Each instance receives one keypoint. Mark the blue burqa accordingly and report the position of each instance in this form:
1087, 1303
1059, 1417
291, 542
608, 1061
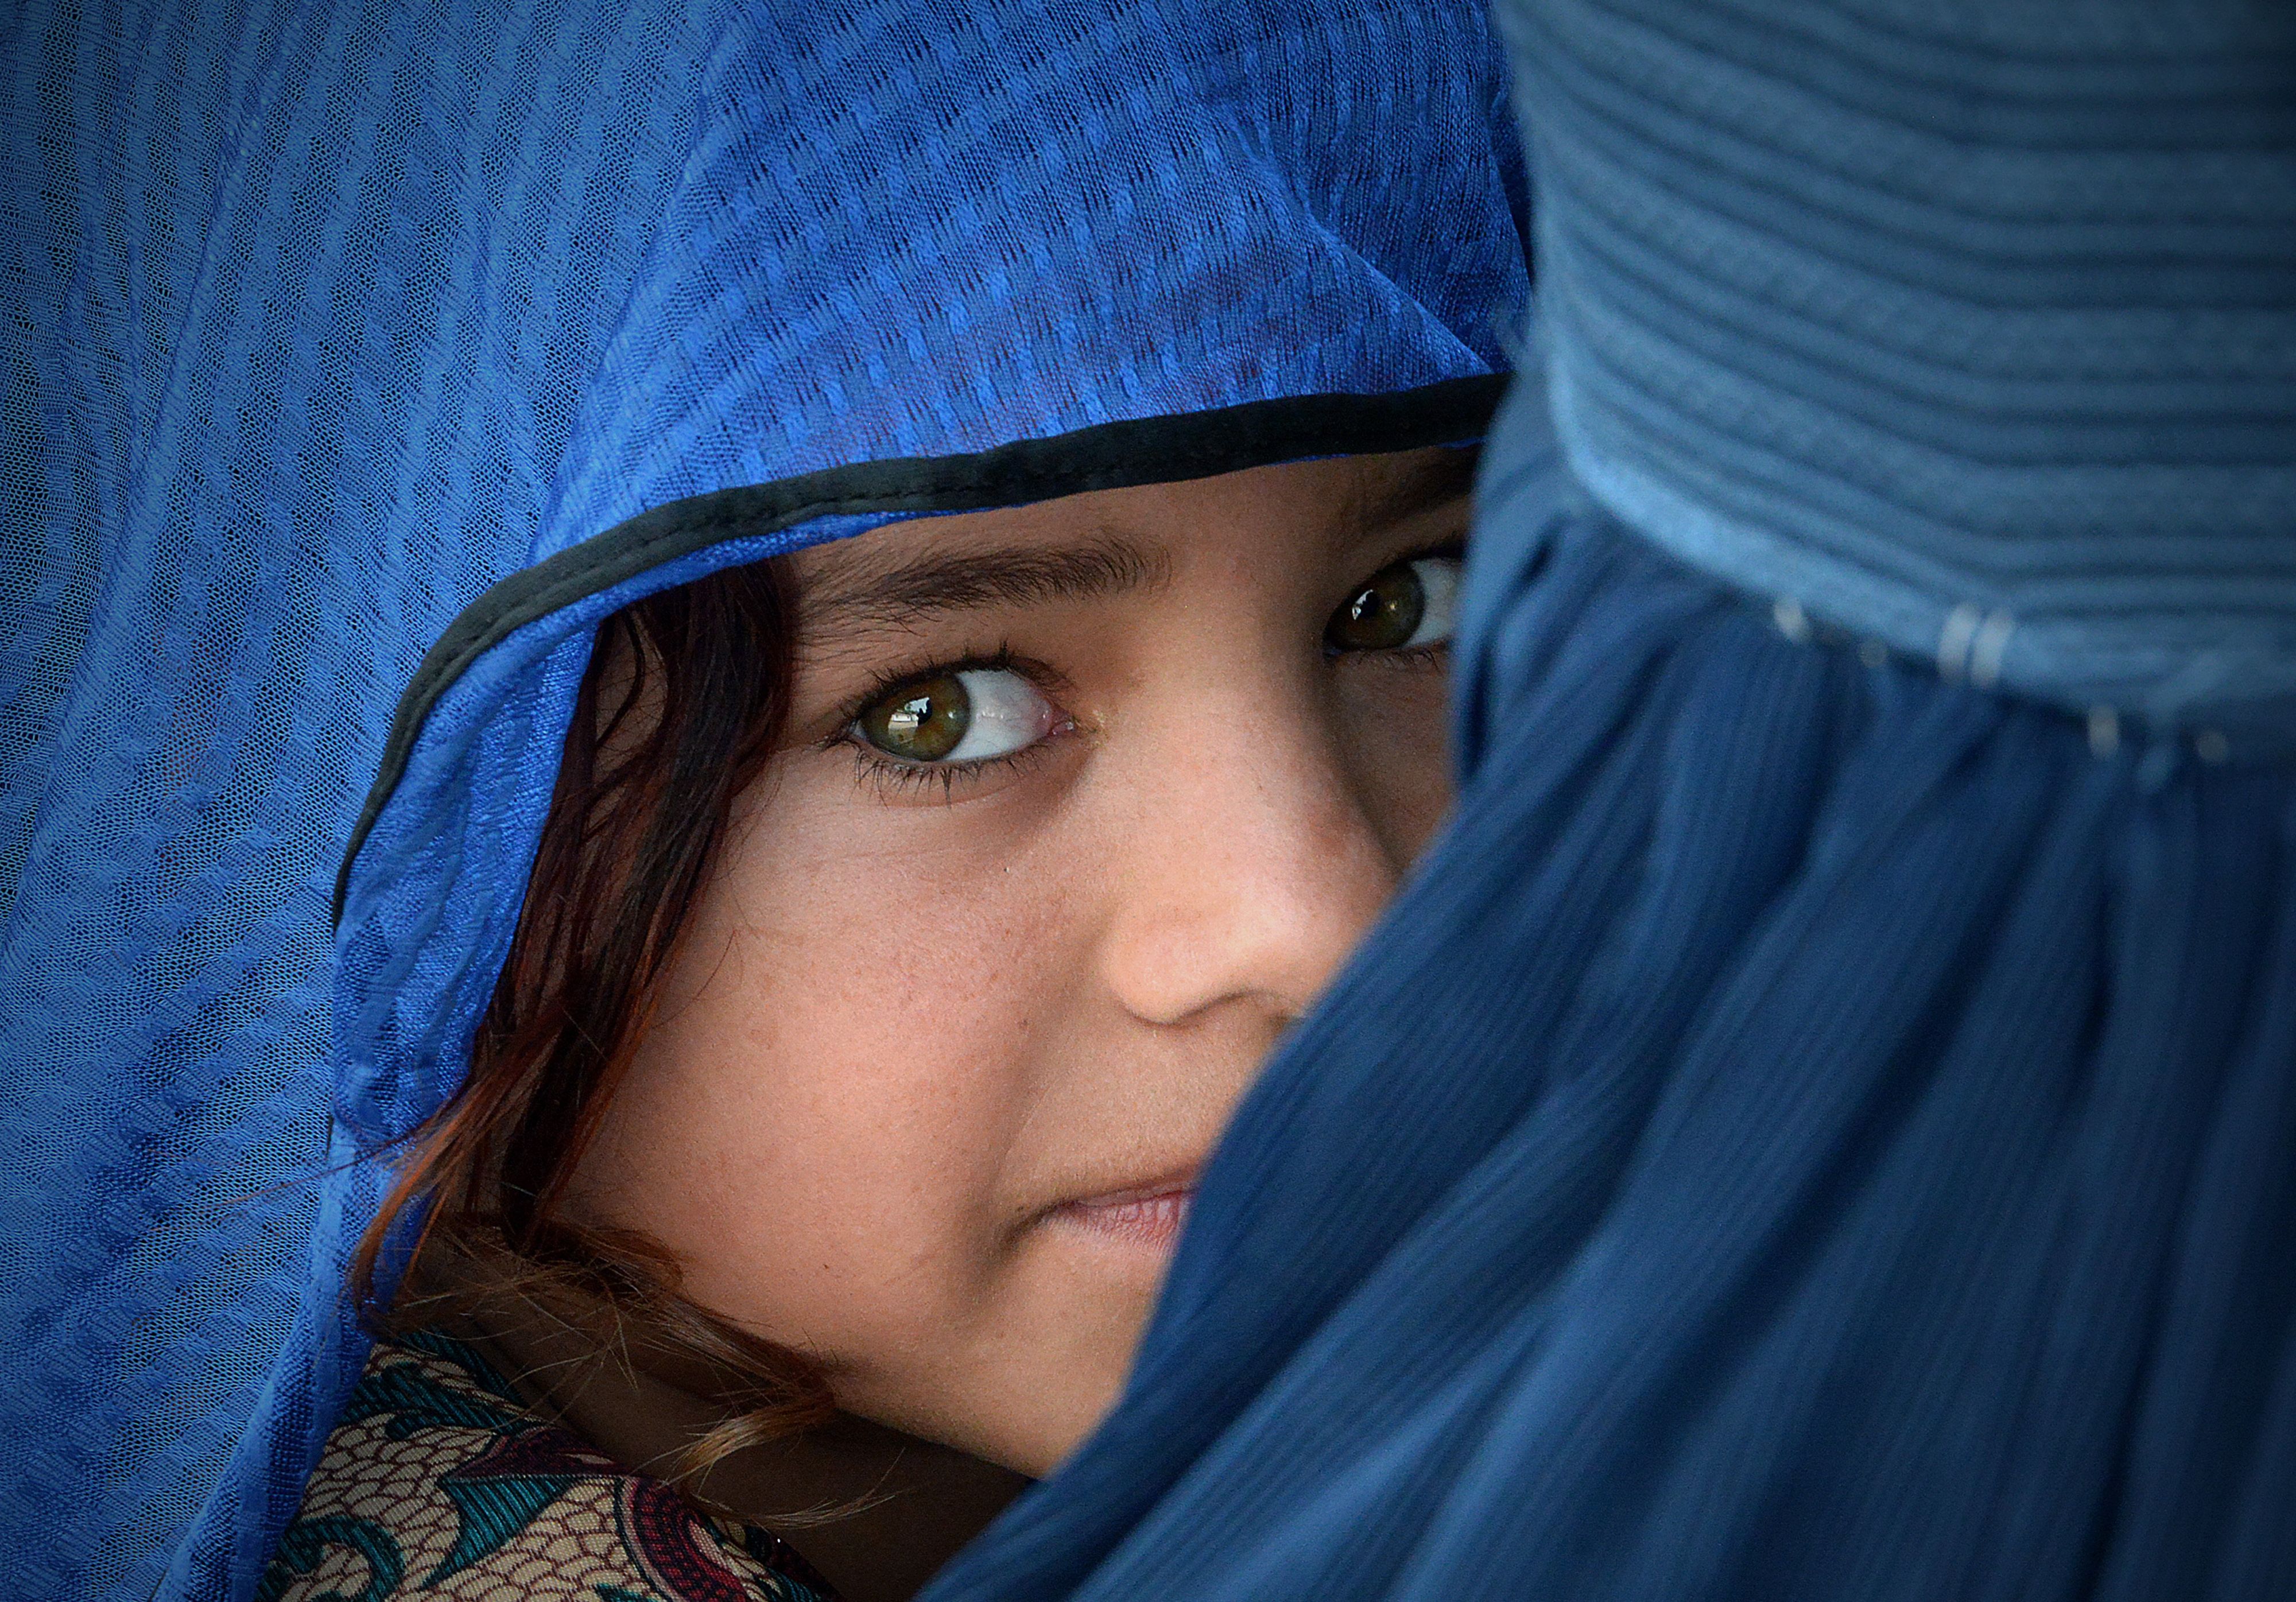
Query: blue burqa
360, 357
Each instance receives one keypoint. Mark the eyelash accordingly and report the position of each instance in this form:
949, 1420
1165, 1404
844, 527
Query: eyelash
1402, 657
889, 777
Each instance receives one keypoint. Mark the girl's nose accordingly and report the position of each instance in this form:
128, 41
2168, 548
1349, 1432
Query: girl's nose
1250, 870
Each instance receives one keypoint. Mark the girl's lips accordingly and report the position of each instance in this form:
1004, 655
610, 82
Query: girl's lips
1150, 1216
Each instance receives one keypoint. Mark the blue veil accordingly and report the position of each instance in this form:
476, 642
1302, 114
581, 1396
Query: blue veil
362, 357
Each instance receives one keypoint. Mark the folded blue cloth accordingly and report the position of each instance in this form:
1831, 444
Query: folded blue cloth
1972, 330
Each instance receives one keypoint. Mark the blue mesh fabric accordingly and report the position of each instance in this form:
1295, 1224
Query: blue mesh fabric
323, 320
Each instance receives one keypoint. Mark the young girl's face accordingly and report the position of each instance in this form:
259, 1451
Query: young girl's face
1080, 805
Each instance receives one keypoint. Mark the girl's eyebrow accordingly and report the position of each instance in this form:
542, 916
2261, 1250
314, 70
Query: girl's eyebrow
864, 592
1435, 481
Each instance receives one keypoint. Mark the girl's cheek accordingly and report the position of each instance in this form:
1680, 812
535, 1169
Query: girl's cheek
1392, 727
858, 1049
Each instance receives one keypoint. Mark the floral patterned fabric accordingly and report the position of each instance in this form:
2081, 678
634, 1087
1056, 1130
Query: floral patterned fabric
440, 1483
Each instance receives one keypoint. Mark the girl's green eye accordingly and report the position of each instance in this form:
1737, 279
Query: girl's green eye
1413, 603
968, 716
920, 722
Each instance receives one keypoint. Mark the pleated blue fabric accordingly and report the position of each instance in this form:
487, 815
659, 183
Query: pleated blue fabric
1974, 330
1822, 1124
362, 355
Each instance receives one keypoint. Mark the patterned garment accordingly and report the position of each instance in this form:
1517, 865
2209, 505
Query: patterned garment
438, 1482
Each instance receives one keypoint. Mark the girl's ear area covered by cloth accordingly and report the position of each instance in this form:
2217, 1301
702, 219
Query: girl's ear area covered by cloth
328, 320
